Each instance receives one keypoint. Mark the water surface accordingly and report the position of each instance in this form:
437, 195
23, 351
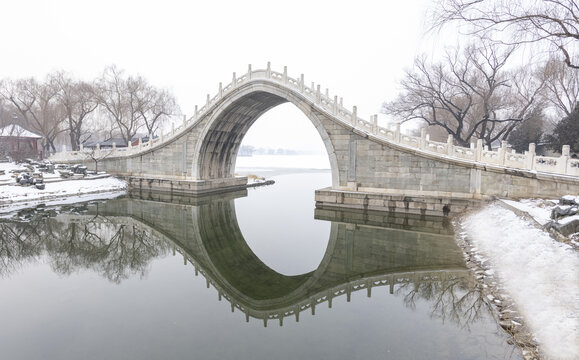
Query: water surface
259, 274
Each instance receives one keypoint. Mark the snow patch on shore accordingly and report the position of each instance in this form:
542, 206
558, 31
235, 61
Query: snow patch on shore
14, 197
65, 188
540, 274
539, 209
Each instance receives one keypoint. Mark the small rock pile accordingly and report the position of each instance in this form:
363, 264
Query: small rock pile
565, 216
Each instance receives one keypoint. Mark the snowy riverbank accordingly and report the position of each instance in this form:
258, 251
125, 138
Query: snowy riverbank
528, 267
14, 197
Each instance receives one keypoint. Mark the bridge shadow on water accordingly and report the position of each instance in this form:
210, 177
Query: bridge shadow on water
413, 257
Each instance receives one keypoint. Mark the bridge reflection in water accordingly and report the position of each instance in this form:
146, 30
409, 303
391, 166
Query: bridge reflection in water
413, 257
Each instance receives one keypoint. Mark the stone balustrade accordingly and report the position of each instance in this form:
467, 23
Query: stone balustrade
333, 106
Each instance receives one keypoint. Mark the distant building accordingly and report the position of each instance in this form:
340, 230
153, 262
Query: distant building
19, 143
106, 144
144, 139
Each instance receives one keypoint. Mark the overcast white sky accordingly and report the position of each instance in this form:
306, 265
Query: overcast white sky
358, 49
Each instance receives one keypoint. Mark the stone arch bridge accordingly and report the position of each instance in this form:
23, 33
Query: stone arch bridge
372, 167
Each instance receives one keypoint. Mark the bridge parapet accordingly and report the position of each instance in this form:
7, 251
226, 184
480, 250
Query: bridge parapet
333, 107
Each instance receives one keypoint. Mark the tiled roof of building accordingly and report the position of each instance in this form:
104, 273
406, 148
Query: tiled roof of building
17, 131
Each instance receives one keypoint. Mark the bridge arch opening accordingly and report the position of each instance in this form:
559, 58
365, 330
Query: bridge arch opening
283, 137
284, 236
221, 137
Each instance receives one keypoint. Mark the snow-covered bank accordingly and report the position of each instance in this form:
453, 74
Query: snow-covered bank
13, 196
7, 210
539, 209
537, 272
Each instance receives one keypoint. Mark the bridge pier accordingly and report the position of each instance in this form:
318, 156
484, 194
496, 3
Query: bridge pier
185, 187
394, 203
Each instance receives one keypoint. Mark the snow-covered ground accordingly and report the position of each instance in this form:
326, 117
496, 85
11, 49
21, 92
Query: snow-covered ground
14, 197
538, 273
539, 209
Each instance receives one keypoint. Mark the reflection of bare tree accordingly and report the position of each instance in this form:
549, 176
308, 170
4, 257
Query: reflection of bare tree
114, 250
18, 244
459, 300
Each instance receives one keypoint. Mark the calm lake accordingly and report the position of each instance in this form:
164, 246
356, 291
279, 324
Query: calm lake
256, 274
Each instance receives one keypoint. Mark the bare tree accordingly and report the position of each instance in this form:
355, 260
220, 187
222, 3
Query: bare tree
96, 155
157, 106
5, 113
561, 87
117, 96
36, 103
79, 101
132, 103
470, 94
551, 22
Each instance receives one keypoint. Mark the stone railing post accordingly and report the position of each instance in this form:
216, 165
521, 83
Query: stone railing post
335, 107
302, 85
530, 157
397, 133
196, 112
249, 72
450, 145
129, 144
422, 142
562, 163
318, 95
208, 101
268, 70
98, 149
172, 127
502, 153
220, 90
114, 146
478, 150
81, 147
285, 74
234, 79
375, 124
140, 142
354, 116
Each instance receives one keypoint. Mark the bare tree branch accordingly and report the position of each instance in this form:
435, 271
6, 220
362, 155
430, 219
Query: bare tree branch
469, 94
553, 24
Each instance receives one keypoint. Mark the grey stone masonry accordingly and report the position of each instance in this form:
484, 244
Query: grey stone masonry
365, 159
